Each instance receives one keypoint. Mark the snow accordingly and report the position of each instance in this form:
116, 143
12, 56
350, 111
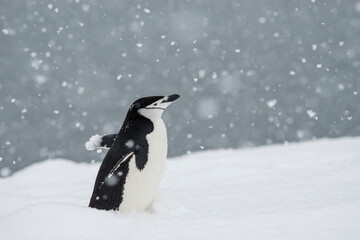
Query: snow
93, 142
306, 190
271, 103
311, 113
5, 31
64, 58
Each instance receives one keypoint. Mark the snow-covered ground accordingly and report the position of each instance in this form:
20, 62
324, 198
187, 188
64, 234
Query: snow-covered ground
299, 191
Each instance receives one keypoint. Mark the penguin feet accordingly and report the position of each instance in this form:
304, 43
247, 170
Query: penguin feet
150, 209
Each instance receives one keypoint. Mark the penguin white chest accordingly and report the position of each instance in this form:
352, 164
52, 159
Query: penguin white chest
141, 185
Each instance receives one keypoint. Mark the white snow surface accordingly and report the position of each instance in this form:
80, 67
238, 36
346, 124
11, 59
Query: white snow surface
306, 190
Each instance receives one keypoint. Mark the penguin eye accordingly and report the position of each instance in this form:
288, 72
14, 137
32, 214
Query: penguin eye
155, 104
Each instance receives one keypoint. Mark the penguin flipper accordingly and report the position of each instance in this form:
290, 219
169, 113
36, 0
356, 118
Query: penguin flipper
105, 194
100, 141
116, 167
107, 141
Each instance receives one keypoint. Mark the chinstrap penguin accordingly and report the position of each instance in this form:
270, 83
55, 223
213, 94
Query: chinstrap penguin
131, 171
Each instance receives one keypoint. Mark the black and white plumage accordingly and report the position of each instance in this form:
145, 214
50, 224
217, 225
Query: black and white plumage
131, 171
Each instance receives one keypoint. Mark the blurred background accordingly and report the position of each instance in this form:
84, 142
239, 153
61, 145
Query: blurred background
249, 72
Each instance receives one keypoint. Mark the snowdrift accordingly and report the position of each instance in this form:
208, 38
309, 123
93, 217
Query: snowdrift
298, 191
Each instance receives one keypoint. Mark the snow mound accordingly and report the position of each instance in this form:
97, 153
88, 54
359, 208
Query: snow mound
297, 191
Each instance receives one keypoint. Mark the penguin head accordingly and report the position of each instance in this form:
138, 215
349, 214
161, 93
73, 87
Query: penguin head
152, 107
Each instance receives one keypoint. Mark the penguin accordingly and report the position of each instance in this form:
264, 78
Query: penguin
130, 173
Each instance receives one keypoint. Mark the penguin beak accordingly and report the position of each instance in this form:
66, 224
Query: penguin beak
170, 98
